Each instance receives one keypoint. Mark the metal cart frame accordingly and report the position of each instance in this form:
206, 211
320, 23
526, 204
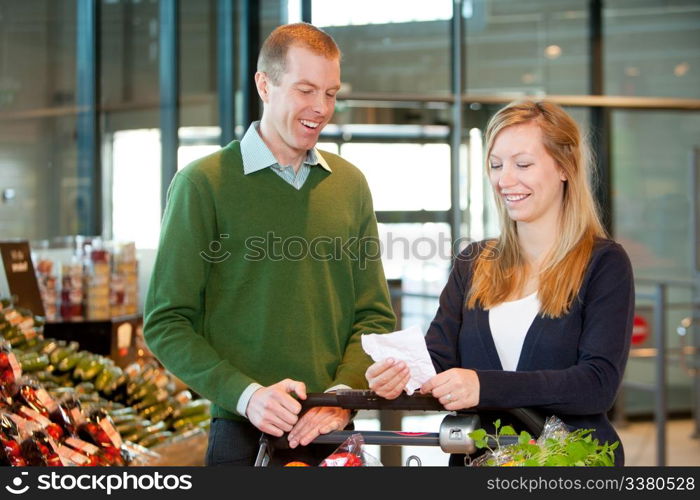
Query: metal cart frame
453, 436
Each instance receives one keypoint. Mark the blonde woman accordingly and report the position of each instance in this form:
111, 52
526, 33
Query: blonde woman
541, 316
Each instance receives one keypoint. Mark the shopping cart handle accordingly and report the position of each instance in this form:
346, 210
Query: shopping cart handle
531, 420
350, 399
368, 400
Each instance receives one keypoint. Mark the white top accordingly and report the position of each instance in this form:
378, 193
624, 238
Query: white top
509, 323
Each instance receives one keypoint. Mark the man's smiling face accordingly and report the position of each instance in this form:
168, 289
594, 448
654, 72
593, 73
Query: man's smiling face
300, 104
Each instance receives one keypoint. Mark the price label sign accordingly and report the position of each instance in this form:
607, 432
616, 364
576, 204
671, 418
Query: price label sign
21, 280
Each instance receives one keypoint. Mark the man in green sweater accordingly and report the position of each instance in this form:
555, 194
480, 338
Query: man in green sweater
268, 268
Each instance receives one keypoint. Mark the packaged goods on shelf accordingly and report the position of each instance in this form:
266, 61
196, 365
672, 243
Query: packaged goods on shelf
98, 272
98, 280
124, 285
48, 287
72, 291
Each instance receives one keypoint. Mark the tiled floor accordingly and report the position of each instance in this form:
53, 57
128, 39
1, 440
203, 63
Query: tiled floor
639, 440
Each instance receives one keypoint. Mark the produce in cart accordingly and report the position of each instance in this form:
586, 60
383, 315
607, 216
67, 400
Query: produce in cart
556, 446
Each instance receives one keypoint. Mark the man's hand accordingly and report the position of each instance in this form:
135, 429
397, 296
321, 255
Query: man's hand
316, 421
456, 388
388, 378
271, 409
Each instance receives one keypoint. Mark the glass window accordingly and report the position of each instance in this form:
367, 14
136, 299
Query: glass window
129, 52
362, 12
197, 48
39, 182
538, 46
404, 176
272, 14
136, 187
653, 201
188, 154
392, 45
653, 195
421, 256
135, 175
198, 64
652, 48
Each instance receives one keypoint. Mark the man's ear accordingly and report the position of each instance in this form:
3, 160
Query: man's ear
262, 83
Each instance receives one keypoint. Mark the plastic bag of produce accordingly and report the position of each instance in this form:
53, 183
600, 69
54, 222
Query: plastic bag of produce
350, 453
556, 446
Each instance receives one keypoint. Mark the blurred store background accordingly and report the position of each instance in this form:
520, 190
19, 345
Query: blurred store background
101, 102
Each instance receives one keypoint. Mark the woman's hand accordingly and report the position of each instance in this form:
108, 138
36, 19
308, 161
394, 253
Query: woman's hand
456, 388
388, 378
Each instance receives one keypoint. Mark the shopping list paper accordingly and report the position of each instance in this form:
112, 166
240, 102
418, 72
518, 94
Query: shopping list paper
406, 345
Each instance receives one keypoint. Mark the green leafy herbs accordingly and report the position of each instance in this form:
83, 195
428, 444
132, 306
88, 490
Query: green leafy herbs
556, 447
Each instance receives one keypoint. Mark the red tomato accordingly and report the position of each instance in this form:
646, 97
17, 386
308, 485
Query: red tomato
8, 376
54, 431
12, 448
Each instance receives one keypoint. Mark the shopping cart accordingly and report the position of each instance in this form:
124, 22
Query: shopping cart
452, 437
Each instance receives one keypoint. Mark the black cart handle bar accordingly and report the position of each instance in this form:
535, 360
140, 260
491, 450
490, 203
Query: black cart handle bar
368, 400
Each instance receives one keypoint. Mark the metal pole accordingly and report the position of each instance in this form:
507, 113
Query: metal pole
89, 167
306, 11
249, 46
127, 73
383, 438
600, 116
456, 130
660, 407
695, 211
226, 70
391, 420
695, 292
169, 90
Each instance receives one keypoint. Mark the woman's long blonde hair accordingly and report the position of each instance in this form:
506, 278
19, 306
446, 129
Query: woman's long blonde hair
500, 270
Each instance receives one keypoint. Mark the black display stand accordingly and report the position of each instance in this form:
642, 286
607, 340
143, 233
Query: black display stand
21, 279
101, 336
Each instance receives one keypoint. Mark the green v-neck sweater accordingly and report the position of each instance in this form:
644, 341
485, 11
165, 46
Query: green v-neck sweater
256, 281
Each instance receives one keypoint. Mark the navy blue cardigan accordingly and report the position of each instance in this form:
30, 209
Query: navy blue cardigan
570, 366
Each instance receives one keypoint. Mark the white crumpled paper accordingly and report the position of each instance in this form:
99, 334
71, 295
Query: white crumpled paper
406, 345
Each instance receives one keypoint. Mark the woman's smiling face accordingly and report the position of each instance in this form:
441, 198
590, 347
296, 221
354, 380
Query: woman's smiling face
524, 176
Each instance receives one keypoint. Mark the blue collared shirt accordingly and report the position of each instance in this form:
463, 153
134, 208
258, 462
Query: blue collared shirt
257, 156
